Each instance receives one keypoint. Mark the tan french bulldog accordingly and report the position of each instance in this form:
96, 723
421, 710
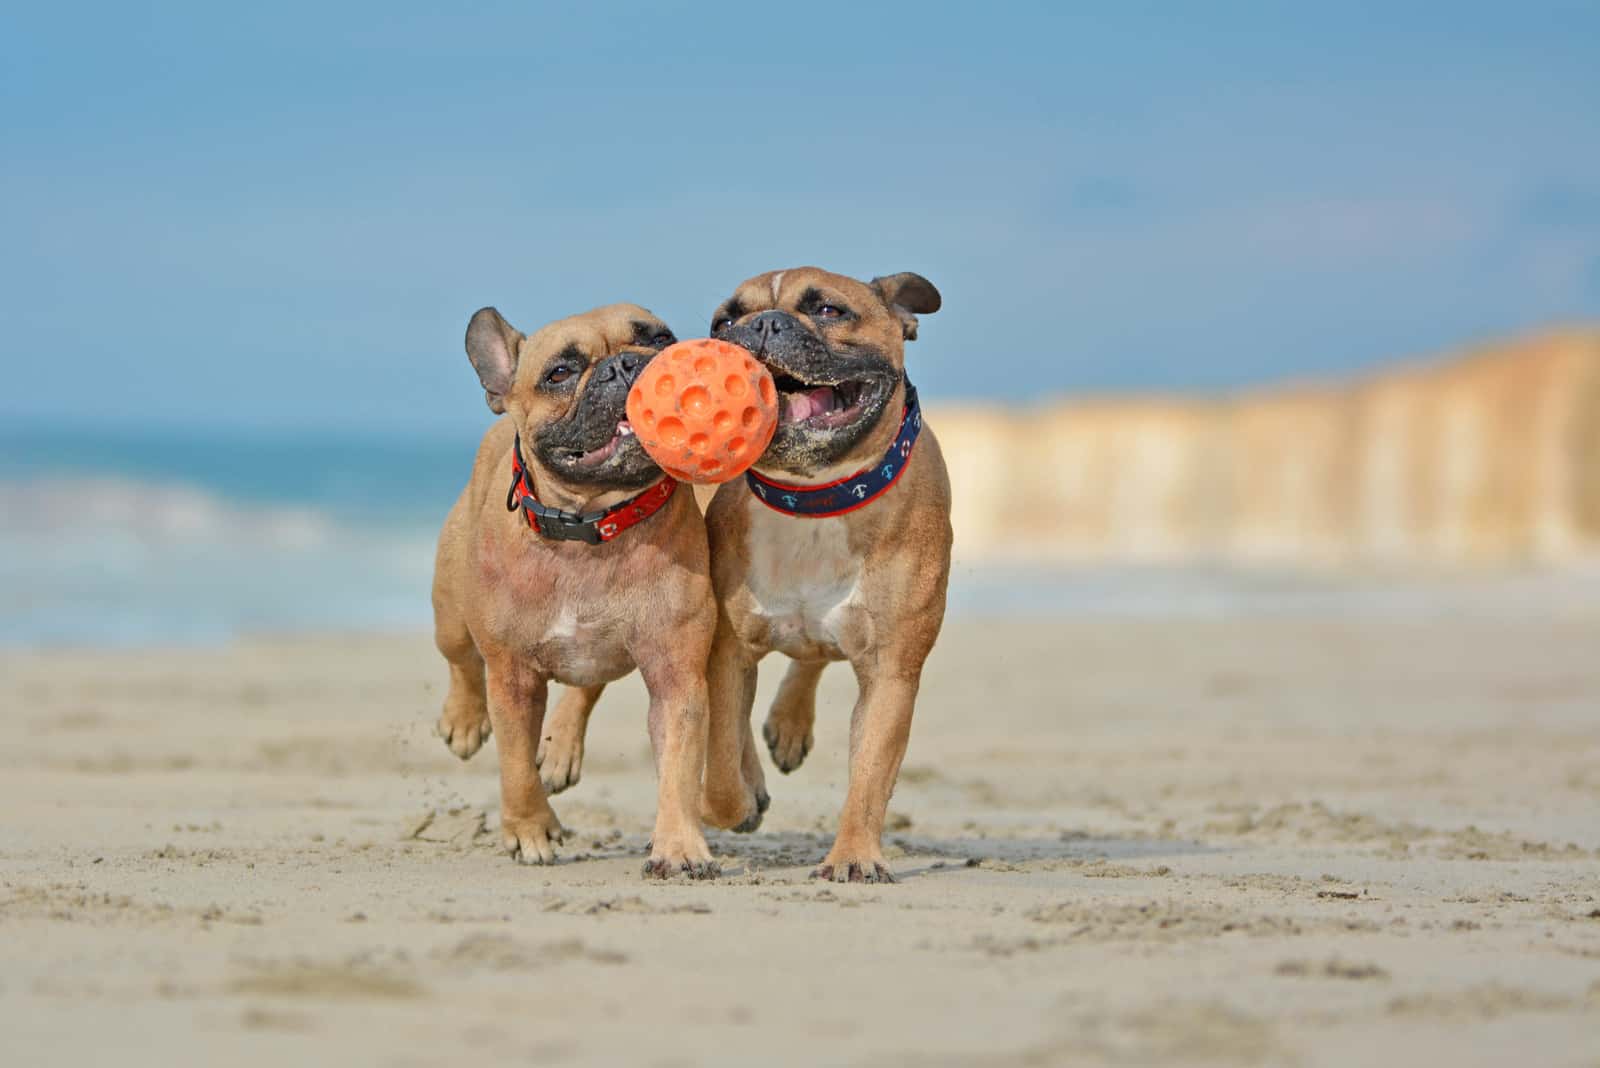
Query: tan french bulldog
836, 547
571, 557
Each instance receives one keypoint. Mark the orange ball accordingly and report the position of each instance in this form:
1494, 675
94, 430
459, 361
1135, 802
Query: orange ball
704, 410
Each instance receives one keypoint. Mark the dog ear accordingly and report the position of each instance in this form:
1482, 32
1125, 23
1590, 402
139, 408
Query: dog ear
908, 295
492, 347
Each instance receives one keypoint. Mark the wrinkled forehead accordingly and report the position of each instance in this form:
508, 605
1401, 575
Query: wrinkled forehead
777, 289
602, 332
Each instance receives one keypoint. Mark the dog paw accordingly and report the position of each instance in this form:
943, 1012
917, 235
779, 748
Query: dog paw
559, 760
751, 822
532, 839
691, 857
741, 814
787, 742
837, 868
463, 731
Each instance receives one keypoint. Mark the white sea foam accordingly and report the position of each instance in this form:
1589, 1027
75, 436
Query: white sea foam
96, 560
153, 513
119, 561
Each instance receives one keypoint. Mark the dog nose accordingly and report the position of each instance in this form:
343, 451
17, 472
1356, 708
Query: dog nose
624, 365
769, 324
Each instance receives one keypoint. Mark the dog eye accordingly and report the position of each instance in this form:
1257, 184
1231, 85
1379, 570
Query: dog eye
558, 374
721, 324
661, 339
829, 311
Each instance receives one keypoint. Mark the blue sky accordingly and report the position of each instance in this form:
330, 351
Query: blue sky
281, 216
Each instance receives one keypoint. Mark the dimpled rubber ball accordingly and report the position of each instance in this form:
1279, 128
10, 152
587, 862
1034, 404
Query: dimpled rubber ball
704, 410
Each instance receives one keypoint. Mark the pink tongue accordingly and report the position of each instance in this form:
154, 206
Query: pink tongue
798, 407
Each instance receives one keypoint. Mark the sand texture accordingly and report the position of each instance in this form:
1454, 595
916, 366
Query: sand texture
1268, 841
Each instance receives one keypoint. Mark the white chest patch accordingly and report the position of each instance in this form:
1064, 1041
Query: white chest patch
565, 625
804, 582
582, 653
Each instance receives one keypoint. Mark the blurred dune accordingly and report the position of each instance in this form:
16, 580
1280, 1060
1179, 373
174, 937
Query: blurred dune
1488, 458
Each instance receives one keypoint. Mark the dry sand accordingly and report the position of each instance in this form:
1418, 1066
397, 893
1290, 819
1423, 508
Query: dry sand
1275, 840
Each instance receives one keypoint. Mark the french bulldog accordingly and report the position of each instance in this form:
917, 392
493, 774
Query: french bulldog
835, 547
570, 557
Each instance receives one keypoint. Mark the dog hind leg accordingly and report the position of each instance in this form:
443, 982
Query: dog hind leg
788, 729
560, 756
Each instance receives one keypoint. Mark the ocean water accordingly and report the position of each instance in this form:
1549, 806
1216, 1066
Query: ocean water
185, 537
196, 538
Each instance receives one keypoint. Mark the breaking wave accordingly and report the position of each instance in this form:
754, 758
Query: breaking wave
126, 561
97, 560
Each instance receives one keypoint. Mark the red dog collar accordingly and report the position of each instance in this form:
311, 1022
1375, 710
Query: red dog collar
592, 527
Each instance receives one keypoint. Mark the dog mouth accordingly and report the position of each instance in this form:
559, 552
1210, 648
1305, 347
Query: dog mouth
588, 459
821, 405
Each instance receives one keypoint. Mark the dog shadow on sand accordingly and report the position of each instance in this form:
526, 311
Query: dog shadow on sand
914, 856
594, 835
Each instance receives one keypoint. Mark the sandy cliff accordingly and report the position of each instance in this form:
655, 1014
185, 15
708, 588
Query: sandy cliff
1489, 458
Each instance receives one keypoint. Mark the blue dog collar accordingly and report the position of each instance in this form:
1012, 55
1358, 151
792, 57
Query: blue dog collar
853, 491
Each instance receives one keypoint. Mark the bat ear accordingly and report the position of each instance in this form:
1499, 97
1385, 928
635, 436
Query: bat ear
908, 295
492, 348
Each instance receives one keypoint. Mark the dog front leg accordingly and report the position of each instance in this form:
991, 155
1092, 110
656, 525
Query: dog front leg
678, 715
735, 789
880, 727
517, 696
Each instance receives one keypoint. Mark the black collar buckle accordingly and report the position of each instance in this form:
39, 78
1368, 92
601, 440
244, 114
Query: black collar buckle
553, 523
565, 526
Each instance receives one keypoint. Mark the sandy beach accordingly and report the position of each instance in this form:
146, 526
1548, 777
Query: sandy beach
1270, 840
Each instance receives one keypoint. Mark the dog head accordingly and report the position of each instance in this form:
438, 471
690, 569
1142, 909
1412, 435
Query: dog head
566, 387
836, 350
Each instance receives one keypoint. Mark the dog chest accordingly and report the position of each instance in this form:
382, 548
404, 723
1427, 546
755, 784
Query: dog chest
572, 646
581, 650
804, 584
582, 653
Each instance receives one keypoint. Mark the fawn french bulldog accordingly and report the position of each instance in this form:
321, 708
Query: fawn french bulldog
590, 565
836, 546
